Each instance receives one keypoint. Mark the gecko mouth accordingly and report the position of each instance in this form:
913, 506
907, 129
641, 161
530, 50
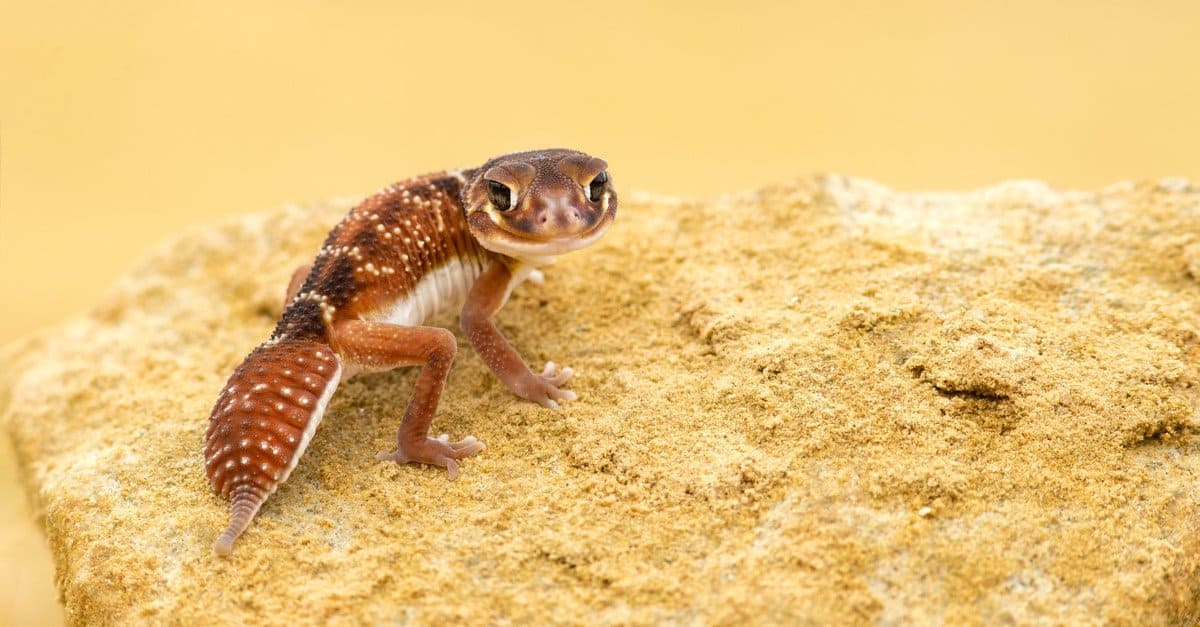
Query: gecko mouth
519, 244
561, 239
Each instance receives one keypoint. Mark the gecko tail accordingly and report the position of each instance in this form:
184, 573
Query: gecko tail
242, 508
263, 420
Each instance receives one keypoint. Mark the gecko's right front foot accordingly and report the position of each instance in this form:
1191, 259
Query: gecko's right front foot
438, 451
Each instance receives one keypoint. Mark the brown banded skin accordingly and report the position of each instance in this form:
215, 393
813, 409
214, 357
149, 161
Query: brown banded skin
418, 247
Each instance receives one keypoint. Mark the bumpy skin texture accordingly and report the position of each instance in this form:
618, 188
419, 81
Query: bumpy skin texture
413, 249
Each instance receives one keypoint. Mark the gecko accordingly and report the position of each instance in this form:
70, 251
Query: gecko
433, 243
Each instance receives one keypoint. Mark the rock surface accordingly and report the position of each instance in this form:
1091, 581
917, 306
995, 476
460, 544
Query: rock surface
823, 401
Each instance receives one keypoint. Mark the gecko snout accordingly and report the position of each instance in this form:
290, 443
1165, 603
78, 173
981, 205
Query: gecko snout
562, 219
560, 216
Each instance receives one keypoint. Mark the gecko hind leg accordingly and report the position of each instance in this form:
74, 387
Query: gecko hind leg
377, 346
299, 276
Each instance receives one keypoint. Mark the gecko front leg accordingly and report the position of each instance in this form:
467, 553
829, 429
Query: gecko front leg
488, 294
377, 346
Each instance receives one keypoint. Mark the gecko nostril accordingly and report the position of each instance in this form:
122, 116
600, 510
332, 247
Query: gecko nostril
576, 214
545, 218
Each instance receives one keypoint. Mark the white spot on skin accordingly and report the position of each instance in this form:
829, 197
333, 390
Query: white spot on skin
279, 406
245, 442
260, 387
245, 460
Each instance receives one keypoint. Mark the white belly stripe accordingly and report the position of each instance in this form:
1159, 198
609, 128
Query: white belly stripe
439, 291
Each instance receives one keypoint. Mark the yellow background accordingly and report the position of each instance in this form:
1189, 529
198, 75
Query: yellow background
123, 121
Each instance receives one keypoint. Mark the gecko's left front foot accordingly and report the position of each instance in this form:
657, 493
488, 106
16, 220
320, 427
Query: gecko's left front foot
546, 388
438, 451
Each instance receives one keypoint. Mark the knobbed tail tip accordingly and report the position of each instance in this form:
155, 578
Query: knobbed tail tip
245, 505
224, 544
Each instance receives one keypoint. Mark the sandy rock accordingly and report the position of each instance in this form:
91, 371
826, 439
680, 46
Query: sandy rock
823, 401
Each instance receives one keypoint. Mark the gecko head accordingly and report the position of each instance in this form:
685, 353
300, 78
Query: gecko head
535, 205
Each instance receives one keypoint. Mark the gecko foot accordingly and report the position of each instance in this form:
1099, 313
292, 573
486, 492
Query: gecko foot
546, 389
438, 451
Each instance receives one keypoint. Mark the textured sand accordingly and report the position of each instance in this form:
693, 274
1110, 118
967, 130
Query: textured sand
823, 402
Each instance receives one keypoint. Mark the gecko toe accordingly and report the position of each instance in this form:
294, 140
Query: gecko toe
451, 469
467, 447
554, 376
567, 395
563, 376
390, 456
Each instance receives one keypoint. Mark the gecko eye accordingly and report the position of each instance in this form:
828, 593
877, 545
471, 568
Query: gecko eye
502, 196
596, 187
